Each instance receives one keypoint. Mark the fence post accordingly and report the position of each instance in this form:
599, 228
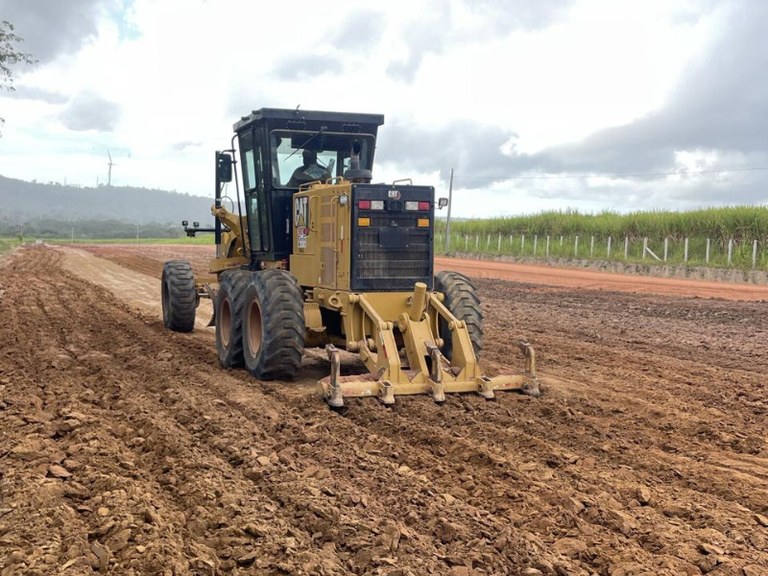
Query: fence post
666, 248
466, 242
522, 244
535, 243
645, 247
754, 254
730, 251
685, 254
561, 240
488, 242
706, 258
626, 247
511, 243
608, 255
547, 252
498, 249
477, 242
576, 246
591, 246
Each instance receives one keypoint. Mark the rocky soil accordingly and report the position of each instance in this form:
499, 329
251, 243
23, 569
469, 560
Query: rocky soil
125, 449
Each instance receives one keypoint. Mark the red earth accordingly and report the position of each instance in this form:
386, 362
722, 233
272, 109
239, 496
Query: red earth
126, 449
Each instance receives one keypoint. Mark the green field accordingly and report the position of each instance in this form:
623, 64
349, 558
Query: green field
7, 243
735, 236
737, 222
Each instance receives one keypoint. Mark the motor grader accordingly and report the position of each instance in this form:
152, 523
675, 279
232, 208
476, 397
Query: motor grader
311, 253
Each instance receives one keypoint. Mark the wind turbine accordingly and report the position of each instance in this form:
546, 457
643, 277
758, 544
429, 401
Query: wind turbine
110, 164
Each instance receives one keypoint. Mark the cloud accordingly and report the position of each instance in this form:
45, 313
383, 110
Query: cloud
52, 27
306, 67
358, 32
464, 145
89, 111
443, 23
428, 35
38, 94
720, 104
183, 146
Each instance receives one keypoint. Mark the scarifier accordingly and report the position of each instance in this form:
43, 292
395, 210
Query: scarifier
315, 255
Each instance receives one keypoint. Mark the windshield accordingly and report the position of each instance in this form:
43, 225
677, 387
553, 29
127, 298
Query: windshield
299, 157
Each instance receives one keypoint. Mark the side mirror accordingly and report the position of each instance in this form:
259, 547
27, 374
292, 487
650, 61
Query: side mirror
442, 203
223, 167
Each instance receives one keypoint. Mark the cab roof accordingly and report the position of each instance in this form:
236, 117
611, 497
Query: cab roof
283, 117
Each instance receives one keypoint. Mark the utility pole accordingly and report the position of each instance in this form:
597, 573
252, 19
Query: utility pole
448, 219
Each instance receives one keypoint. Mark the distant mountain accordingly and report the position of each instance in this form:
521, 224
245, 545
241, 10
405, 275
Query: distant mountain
22, 201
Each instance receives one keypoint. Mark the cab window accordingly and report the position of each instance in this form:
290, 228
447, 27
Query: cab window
303, 156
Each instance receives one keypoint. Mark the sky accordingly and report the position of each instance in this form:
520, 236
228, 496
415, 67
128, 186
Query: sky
589, 105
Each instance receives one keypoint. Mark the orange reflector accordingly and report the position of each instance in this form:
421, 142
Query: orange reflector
423, 222
363, 221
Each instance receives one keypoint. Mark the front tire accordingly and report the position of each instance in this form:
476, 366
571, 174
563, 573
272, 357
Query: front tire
273, 325
179, 296
461, 299
229, 317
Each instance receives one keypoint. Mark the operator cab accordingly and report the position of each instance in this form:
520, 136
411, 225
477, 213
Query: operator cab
274, 146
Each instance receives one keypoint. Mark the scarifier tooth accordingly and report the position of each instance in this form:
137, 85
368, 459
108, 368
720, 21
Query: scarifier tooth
334, 397
438, 391
387, 393
531, 388
486, 388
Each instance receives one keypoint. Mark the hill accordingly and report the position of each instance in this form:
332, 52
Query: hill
24, 202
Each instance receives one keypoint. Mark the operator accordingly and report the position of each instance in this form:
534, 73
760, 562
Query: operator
310, 171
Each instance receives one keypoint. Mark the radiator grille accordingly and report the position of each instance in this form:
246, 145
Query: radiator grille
390, 251
409, 263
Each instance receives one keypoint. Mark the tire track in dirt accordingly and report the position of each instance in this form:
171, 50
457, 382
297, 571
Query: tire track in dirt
242, 475
118, 389
105, 532
582, 356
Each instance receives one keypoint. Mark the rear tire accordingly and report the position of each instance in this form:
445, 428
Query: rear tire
179, 296
273, 325
229, 317
461, 299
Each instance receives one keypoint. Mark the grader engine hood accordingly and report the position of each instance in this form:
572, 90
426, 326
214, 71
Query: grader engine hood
391, 240
363, 237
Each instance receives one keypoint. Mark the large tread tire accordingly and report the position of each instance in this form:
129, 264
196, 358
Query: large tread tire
273, 325
179, 296
229, 317
461, 299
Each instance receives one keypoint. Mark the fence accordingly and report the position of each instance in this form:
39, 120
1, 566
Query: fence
716, 253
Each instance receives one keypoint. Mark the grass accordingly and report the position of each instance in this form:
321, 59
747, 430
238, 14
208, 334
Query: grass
572, 235
737, 222
7, 244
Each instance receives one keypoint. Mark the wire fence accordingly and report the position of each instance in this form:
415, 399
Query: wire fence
715, 253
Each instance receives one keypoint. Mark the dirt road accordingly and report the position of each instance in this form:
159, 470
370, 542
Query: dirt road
597, 280
124, 449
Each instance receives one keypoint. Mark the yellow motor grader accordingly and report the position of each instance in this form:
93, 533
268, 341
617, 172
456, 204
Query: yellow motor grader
312, 254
